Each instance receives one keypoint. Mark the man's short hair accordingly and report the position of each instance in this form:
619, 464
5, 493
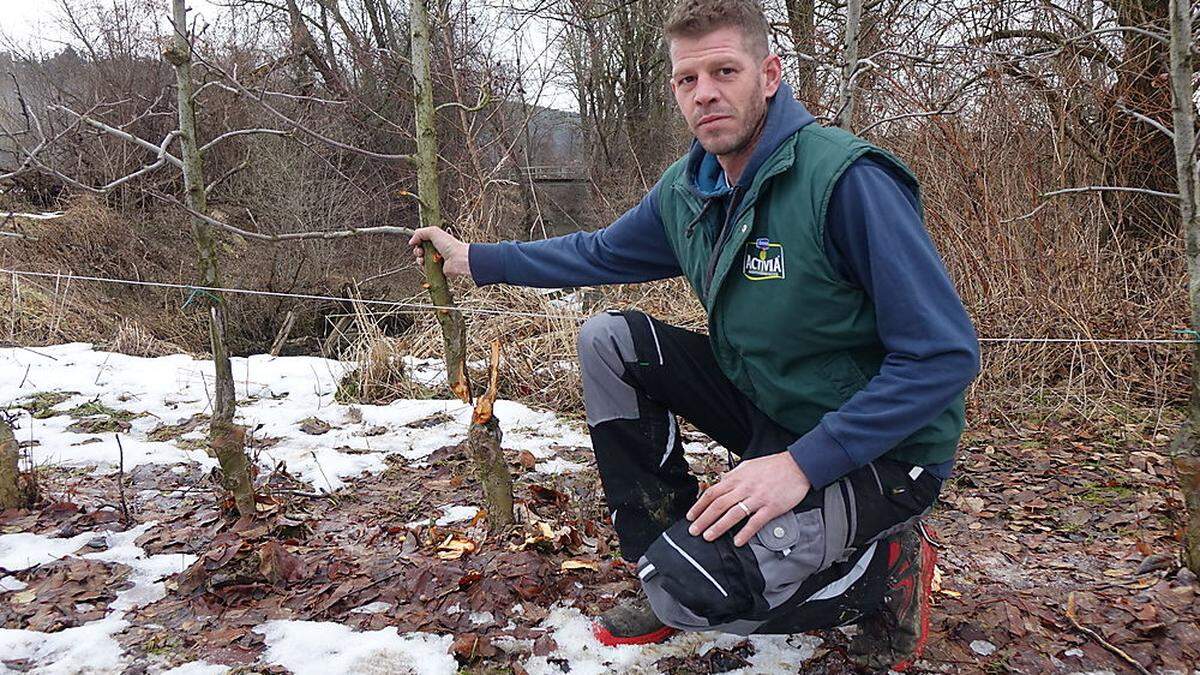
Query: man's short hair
695, 18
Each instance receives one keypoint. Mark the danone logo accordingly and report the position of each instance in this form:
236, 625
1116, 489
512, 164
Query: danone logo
764, 260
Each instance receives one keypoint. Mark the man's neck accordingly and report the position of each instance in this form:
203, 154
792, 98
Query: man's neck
735, 162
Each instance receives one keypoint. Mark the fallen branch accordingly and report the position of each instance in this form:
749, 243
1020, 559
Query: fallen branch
1098, 638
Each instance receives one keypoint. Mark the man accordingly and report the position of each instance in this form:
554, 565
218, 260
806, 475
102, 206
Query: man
835, 364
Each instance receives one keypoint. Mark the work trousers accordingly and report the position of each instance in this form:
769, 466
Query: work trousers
817, 566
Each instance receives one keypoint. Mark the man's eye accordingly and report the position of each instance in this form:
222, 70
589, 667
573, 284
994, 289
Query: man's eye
686, 79
728, 71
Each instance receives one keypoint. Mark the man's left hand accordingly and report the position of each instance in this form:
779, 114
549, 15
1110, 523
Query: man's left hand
767, 486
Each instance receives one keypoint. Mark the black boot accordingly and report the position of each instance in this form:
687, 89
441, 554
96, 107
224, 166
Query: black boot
895, 637
631, 622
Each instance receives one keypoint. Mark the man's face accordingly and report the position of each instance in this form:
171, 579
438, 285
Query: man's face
721, 88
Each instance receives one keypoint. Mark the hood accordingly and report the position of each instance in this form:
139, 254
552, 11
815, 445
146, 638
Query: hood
785, 116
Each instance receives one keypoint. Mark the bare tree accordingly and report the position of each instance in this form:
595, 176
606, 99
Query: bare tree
484, 433
226, 439
1186, 450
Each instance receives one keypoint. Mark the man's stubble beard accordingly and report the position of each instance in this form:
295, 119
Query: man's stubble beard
747, 135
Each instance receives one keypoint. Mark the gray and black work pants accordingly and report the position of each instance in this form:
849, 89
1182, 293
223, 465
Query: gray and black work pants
822, 564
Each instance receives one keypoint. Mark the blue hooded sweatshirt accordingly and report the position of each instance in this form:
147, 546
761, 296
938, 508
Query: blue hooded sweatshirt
875, 239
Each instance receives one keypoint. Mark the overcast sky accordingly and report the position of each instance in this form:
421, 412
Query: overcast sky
34, 23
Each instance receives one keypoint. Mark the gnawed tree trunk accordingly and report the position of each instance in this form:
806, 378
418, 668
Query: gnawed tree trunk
226, 439
484, 440
454, 328
484, 434
11, 494
1186, 449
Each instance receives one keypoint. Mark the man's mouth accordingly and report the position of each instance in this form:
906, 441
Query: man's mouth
708, 119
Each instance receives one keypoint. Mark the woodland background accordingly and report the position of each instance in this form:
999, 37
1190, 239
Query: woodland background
1018, 117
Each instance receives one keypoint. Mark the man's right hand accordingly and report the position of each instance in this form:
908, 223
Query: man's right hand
454, 252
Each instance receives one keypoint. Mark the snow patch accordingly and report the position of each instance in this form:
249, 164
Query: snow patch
89, 648
320, 647
572, 632
197, 668
451, 513
274, 393
377, 607
23, 550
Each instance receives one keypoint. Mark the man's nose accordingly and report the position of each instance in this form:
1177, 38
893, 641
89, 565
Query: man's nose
706, 91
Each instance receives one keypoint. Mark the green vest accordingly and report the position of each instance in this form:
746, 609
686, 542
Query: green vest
789, 332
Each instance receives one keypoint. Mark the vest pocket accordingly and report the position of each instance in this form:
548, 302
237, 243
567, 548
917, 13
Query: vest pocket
843, 374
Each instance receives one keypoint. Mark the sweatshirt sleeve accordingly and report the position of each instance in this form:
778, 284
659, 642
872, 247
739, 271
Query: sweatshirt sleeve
633, 248
876, 239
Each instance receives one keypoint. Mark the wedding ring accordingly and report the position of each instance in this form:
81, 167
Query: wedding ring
744, 507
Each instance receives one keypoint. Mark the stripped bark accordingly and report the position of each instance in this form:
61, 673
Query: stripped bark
226, 439
484, 440
454, 327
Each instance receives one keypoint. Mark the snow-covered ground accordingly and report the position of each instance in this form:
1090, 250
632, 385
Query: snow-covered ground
275, 395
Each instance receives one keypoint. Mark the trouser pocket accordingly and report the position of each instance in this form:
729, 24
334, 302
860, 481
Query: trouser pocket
693, 583
787, 551
696, 580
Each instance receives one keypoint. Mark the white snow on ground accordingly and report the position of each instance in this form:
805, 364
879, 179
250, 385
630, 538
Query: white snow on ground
197, 668
278, 393
451, 514
275, 394
572, 632
89, 648
325, 647
22, 550
321, 647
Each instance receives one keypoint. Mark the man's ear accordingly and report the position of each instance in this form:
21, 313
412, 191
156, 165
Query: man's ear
772, 70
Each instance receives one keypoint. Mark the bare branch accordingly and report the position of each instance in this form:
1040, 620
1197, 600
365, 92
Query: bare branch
1110, 188
1089, 188
289, 236
160, 150
221, 179
485, 99
261, 101
1145, 118
245, 132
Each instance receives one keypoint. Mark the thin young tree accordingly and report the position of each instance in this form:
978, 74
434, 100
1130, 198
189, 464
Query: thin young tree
226, 439
484, 433
1186, 450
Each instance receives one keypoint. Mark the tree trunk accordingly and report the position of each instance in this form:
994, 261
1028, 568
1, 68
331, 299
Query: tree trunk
484, 439
454, 328
226, 439
845, 117
1139, 155
484, 435
11, 494
801, 22
1185, 452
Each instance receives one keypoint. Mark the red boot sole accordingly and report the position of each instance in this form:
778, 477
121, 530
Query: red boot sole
608, 639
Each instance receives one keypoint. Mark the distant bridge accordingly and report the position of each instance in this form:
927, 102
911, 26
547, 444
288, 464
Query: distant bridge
564, 173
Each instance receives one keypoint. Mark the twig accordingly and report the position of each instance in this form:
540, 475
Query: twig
121, 480
1097, 637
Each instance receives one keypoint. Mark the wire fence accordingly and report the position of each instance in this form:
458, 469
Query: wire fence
193, 290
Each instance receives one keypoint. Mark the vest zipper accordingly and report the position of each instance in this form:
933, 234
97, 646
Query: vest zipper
691, 227
731, 216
